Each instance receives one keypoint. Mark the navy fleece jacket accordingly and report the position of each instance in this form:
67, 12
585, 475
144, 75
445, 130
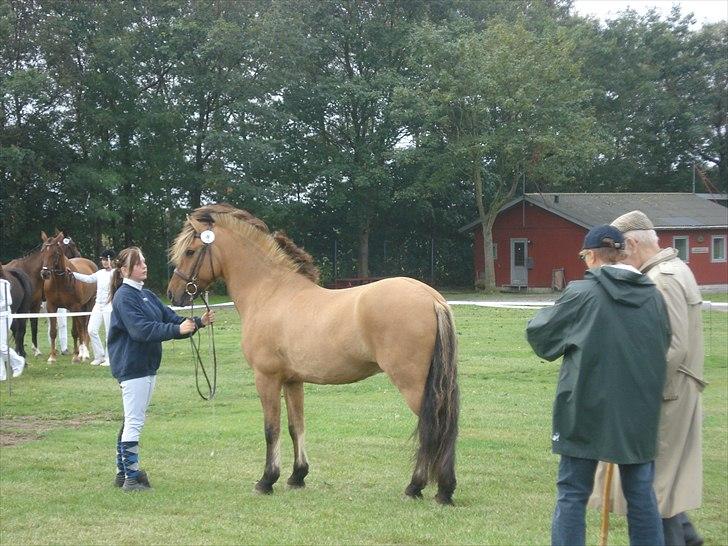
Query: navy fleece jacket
139, 324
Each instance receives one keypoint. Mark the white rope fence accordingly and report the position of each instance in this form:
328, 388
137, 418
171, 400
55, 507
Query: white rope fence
707, 306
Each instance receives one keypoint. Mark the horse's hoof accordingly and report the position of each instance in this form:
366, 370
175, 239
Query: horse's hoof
445, 501
51, 360
75, 360
413, 491
296, 485
36, 352
263, 488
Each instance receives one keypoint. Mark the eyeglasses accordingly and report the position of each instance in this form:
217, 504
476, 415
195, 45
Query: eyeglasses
582, 255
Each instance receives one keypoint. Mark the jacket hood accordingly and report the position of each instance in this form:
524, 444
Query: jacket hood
622, 285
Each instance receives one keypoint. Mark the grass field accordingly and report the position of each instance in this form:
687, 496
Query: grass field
59, 426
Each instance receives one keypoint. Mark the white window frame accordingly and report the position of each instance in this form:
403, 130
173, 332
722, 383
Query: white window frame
687, 245
713, 239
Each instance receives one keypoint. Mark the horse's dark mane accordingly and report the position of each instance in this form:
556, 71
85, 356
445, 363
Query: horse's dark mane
301, 259
29, 252
73, 249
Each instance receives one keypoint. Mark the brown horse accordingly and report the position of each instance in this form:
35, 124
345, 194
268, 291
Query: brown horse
297, 332
31, 265
61, 290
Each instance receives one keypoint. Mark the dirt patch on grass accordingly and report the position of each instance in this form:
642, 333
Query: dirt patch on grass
20, 430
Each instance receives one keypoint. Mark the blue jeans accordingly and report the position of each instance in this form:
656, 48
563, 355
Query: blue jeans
574, 485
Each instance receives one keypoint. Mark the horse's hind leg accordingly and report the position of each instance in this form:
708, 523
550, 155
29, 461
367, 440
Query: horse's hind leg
34, 336
409, 378
269, 390
18, 328
294, 406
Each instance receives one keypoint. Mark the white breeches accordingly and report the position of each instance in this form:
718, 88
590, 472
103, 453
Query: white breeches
62, 333
99, 314
136, 395
17, 362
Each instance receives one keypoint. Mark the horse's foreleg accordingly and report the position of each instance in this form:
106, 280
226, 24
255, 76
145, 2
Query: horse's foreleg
269, 391
75, 333
52, 333
294, 406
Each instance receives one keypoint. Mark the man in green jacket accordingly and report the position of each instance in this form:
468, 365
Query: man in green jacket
612, 330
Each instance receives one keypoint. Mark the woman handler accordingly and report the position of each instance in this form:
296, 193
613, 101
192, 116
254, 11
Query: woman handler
139, 324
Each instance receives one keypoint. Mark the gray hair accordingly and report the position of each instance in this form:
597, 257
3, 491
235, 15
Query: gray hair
643, 236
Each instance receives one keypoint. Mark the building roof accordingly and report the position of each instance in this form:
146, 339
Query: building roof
666, 210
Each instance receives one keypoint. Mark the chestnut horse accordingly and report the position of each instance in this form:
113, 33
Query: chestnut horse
61, 290
31, 265
297, 332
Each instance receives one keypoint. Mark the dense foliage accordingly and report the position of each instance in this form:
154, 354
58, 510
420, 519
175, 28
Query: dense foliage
370, 130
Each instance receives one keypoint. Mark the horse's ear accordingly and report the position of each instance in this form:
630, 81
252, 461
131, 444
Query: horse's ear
197, 225
43, 236
58, 231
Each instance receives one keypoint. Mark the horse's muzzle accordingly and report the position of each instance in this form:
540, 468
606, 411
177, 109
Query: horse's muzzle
180, 301
45, 274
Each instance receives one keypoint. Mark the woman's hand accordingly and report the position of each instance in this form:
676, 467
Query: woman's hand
187, 327
209, 317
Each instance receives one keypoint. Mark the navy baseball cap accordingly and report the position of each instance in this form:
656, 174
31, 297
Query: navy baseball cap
108, 253
603, 237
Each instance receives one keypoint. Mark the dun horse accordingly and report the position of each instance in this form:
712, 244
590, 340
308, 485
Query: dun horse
31, 264
297, 332
61, 290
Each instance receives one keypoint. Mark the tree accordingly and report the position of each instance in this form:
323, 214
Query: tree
506, 102
659, 92
709, 47
349, 57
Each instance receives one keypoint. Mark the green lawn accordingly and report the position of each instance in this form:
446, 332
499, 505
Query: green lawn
59, 430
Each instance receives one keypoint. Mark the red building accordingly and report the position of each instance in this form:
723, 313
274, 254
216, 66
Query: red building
537, 237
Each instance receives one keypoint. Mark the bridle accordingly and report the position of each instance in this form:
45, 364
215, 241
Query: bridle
55, 270
191, 287
207, 237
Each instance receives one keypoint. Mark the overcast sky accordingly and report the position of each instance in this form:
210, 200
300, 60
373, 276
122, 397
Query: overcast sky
705, 11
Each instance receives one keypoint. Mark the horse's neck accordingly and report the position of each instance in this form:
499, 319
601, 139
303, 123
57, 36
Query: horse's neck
254, 282
31, 265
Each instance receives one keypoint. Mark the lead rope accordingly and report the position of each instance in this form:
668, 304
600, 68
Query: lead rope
211, 386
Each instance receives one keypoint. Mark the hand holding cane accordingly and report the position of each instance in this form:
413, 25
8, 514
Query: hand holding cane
604, 529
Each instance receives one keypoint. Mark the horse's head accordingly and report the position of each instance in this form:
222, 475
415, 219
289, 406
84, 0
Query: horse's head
53, 255
192, 256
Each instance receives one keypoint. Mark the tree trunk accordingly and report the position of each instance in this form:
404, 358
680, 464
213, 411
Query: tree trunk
487, 282
364, 249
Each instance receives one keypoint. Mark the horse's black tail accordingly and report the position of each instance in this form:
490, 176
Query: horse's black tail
438, 424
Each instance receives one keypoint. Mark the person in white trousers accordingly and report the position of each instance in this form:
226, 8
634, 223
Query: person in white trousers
17, 362
102, 307
62, 329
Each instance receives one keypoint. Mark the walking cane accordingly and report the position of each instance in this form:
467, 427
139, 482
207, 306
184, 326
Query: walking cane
604, 530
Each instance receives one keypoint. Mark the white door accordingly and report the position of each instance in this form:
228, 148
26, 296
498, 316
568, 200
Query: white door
519, 259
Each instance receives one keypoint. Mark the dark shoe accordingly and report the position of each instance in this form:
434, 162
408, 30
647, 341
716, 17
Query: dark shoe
141, 478
140, 483
133, 484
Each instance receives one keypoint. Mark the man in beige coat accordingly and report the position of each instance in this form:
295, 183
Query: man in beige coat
679, 466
